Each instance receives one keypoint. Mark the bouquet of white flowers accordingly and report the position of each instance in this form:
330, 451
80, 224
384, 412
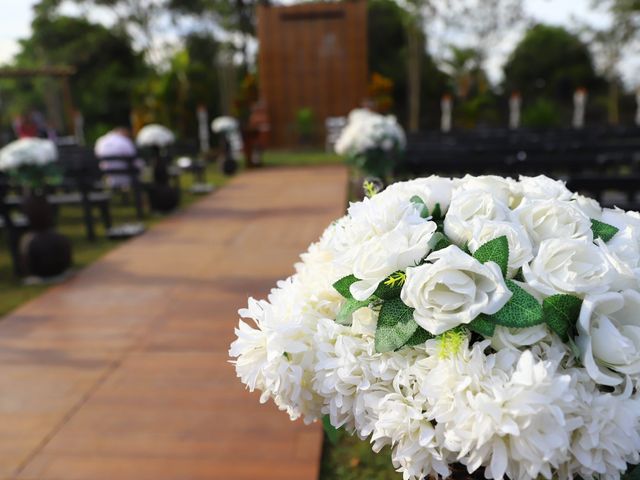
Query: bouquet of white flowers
31, 161
371, 142
479, 321
224, 124
155, 135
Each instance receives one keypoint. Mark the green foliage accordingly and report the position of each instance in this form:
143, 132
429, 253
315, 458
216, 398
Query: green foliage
391, 286
521, 311
419, 337
482, 325
561, 314
603, 230
496, 250
349, 307
342, 285
396, 325
541, 114
633, 473
37, 177
332, 433
550, 62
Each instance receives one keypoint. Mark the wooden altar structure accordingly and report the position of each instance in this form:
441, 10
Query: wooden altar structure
311, 56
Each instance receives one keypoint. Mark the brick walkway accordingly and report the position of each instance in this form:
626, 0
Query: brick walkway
122, 373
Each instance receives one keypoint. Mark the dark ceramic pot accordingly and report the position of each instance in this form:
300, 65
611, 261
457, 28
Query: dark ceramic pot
163, 198
45, 253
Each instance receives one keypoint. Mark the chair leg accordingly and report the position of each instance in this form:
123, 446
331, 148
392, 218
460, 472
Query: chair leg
88, 217
105, 213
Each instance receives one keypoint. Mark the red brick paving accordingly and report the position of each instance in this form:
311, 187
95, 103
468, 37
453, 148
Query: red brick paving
122, 372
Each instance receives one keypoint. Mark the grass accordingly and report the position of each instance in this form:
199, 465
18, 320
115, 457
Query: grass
352, 459
70, 223
297, 158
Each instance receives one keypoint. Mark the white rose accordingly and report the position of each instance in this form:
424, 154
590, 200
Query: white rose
507, 190
516, 338
590, 207
520, 248
432, 190
569, 266
453, 289
379, 257
609, 336
467, 205
543, 187
623, 250
546, 219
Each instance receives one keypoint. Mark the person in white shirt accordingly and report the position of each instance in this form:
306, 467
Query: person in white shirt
116, 143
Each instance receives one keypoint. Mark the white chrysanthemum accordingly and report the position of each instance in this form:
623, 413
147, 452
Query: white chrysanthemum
27, 151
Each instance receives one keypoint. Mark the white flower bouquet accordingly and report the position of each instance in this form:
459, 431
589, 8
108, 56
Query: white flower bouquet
224, 124
481, 322
155, 135
31, 161
371, 142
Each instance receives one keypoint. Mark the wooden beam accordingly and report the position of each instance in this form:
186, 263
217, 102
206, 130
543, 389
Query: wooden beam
49, 71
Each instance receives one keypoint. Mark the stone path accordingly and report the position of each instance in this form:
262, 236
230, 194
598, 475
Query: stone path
121, 373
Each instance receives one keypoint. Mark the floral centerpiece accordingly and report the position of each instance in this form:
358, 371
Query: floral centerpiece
371, 142
224, 125
31, 161
480, 323
155, 135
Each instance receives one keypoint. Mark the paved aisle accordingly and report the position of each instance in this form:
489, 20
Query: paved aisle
122, 373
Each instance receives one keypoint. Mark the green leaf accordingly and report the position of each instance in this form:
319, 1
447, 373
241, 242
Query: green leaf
347, 310
332, 433
603, 230
633, 473
496, 250
521, 311
419, 337
484, 325
395, 325
561, 313
439, 241
342, 285
437, 213
391, 286
419, 203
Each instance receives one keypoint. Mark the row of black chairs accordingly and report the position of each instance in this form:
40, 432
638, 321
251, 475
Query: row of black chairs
601, 162
84, 186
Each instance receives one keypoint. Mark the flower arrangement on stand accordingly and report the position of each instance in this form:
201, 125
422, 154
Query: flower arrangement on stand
229, 129
372, 142
481, 325
163, 197
31, 163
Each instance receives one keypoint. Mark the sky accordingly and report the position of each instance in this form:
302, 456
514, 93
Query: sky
15, 19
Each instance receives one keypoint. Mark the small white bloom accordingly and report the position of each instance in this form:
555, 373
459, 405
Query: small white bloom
506, 190
224, 124
609, 336
453, 288
569, 266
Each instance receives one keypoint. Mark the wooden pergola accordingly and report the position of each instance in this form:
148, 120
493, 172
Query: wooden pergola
61, 72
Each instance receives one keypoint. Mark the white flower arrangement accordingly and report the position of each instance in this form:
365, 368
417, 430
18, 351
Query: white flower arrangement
502, 334
371, 141
155, 135
32, 162
27, 151
224, 124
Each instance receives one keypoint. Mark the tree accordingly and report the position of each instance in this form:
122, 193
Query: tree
550, 62
102, 88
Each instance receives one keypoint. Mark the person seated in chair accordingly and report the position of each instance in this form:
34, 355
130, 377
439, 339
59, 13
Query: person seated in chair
117, 143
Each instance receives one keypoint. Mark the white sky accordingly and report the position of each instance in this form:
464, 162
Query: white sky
15, 19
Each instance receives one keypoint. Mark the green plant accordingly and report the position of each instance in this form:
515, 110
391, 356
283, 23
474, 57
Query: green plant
541, 114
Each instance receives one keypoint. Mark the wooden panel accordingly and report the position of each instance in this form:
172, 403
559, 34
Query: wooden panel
311, 55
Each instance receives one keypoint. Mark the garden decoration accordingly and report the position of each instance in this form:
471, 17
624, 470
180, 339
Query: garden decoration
31, 162
371, 142
481, 325
229, 129
157, 138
